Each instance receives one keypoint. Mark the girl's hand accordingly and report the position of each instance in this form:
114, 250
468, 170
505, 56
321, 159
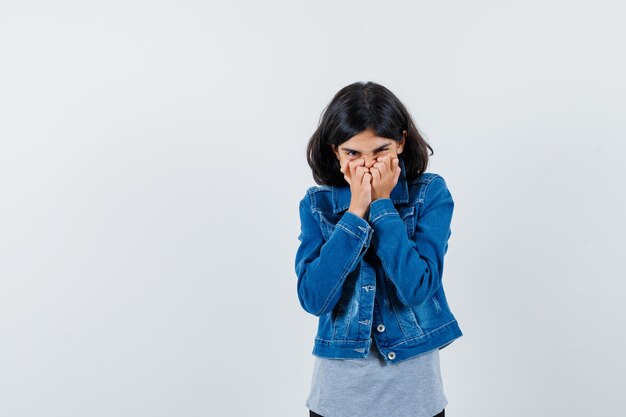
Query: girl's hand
359, 178
385, 174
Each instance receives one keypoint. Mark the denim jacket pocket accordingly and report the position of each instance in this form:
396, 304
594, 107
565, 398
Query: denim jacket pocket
405, 317
328, 221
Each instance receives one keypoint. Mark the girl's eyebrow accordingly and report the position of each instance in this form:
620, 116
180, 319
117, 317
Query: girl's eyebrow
375, 150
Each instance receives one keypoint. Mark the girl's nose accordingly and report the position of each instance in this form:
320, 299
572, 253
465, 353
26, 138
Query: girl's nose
369, 162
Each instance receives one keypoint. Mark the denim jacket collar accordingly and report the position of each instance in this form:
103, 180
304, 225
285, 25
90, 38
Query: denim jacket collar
399, 194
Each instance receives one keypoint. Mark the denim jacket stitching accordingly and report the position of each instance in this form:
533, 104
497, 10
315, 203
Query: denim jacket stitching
386, 213
337, 340
352, 233
410, 339
395, 313
374, 221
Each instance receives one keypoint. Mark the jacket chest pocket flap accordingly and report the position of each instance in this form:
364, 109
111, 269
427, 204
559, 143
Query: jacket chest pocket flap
327, 223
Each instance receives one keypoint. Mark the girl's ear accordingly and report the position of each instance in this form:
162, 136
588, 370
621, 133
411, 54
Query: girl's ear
402, 142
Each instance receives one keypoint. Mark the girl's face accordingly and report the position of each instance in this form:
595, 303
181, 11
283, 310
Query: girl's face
368, 146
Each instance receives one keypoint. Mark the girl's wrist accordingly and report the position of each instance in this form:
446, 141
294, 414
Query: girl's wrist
357, 212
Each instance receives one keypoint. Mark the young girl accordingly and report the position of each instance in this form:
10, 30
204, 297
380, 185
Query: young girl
374, 232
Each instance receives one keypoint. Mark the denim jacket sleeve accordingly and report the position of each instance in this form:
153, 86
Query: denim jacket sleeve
414, 265
322, 266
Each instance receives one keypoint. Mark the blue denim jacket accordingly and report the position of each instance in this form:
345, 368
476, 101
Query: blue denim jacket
377, 280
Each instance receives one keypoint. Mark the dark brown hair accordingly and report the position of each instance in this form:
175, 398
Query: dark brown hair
353, 109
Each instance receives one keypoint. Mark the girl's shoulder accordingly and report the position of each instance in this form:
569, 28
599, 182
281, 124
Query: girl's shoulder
319, 188
428, 189
427, 182
317, 195
425, 178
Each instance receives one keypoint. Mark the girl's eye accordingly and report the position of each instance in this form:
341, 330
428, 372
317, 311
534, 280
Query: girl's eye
353, 153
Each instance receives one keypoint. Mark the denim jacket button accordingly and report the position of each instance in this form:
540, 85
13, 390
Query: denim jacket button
380, 328
391, 355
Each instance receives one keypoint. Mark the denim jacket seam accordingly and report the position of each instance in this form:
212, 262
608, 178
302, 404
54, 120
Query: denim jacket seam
340, 340
380, 208
406, 340
347, 229
347, 224
383, 214
395, 312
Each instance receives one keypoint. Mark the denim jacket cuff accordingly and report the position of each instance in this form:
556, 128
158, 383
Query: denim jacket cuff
356, 226
380, 208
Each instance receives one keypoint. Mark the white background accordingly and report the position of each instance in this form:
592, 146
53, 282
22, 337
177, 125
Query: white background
152, 156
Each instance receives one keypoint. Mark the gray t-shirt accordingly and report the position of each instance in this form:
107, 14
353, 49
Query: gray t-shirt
370, 388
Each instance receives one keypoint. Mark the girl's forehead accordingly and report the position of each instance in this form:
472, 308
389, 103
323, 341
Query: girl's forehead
368, 141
